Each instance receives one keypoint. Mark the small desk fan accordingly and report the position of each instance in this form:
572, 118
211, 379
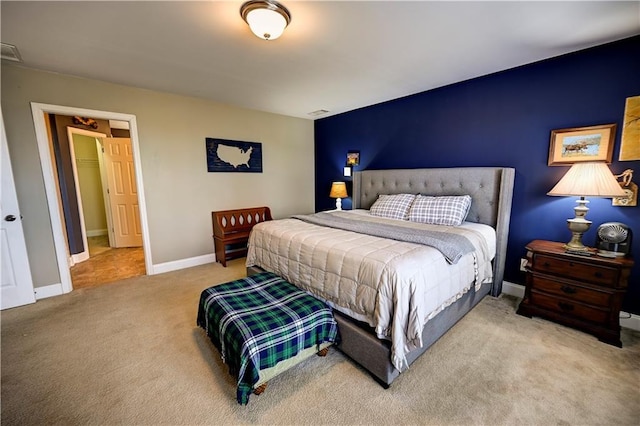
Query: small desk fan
613, 239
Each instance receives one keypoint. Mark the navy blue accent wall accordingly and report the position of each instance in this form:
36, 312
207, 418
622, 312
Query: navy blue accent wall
503, 119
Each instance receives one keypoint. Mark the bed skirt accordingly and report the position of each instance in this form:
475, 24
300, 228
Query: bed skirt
359, 342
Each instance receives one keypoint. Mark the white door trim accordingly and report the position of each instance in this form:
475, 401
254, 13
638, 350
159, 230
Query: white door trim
105, 194
38, 111
84, 255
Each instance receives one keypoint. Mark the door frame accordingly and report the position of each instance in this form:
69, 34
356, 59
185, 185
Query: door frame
38, 111
84, 255
105, 186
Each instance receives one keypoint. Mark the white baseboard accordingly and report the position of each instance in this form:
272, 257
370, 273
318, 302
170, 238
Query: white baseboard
631, 321
80, 257
512, 289
96, 232
175, 265
48, 291
627, 320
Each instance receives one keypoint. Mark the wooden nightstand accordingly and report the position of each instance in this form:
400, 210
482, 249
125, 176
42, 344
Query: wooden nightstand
584, 292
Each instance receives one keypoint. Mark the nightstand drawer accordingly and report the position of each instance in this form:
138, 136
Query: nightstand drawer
576, 270
569, 307
572, 291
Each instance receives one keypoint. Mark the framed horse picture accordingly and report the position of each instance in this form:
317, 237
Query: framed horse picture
580, 144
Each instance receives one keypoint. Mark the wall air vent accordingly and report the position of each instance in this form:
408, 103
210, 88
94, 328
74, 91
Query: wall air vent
10, 52
318, 112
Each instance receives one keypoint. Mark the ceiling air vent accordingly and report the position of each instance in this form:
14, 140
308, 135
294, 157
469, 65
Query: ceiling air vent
318, 112
10, 52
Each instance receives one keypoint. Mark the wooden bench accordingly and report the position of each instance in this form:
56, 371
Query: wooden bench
231, 229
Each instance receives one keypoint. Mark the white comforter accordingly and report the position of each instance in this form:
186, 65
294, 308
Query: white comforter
394, 286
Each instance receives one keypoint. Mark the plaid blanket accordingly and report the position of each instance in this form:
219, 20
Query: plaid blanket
258, 321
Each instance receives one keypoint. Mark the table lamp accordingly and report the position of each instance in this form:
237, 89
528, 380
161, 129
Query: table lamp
338, 191
585, 179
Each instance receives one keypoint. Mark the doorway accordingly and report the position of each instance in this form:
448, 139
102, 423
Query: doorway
39, 112
112, 250
86, 168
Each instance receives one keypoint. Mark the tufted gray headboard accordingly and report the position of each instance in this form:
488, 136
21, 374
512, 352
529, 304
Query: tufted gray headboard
491, 189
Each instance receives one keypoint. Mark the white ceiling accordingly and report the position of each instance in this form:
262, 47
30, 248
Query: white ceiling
337, 56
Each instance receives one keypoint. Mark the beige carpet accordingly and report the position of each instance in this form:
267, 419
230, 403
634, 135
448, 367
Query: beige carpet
130, 354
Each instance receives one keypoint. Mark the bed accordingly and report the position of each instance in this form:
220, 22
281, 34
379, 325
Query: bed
394, 296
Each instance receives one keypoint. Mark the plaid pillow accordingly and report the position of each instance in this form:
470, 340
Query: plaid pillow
446, 210
394, 206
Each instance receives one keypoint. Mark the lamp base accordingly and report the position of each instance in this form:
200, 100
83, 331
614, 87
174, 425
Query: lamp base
578, 226
338, 204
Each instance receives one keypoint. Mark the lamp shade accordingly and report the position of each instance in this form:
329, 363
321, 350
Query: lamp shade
338, 190
266, 18
588, 180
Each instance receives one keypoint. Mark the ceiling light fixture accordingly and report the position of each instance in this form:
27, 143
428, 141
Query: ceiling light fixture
266, 18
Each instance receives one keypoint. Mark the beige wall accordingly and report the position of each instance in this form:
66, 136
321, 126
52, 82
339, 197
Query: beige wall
180, 193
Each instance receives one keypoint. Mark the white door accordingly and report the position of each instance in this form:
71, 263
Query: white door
16, 284
122, 191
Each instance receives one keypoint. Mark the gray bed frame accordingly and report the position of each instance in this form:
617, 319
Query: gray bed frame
491, 189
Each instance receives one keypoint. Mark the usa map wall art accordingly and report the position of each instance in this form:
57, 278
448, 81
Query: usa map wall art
225, 155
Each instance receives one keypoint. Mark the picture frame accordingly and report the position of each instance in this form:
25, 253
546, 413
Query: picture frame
630, 140
224, 155
581, 144
353, 158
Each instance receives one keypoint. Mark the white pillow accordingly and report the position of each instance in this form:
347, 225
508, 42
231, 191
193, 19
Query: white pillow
449, 210
394, 206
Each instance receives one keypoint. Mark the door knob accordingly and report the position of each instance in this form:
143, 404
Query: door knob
9, 218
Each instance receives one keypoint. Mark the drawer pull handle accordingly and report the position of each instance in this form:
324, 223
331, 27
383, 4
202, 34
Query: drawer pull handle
568, 290
598, 274
565, 306
546, 264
